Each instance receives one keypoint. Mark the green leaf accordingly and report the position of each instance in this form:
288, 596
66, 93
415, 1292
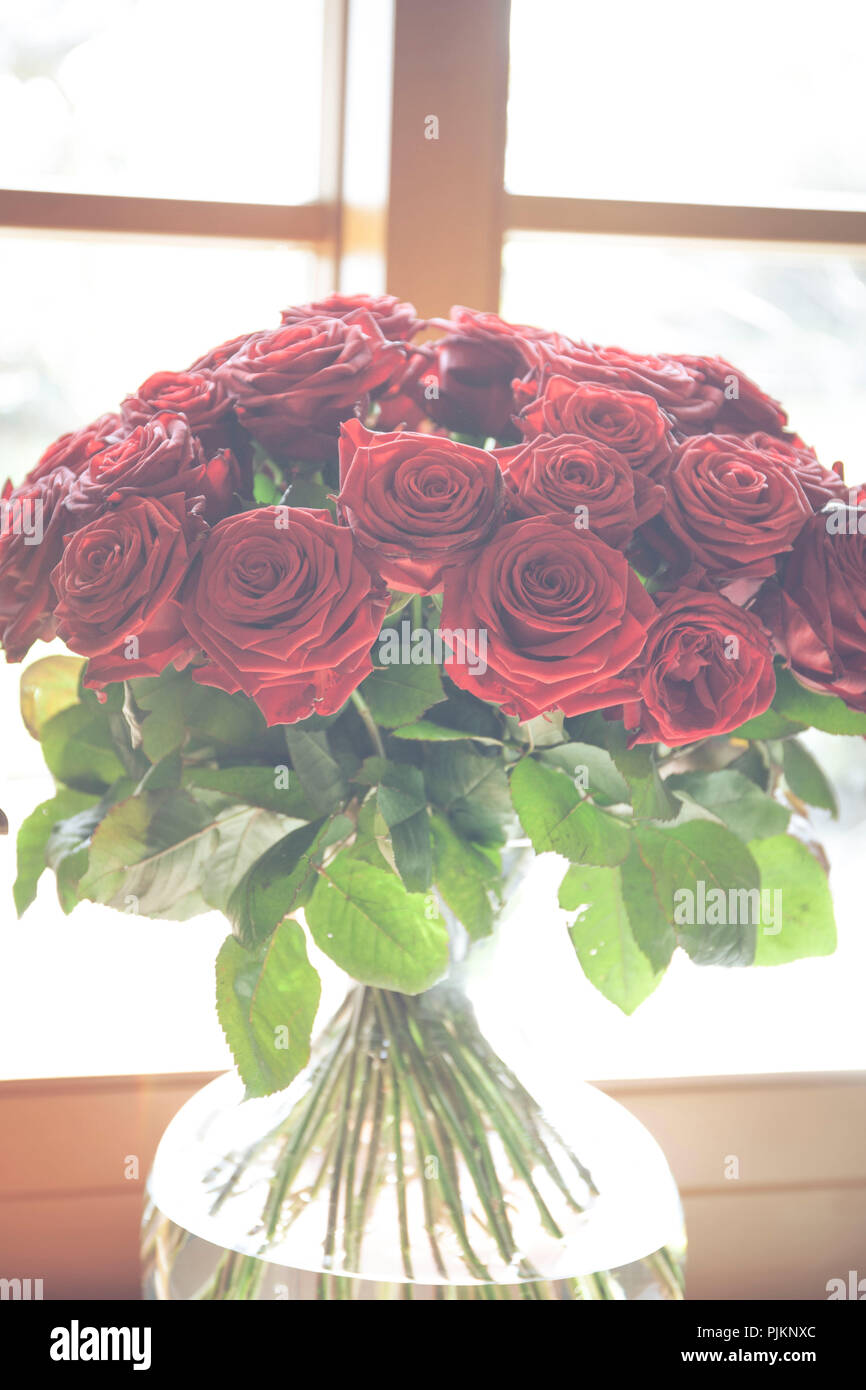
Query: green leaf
48, 686
703, 884
33, 837
650, 796
592, 769
602, 936
266, 491
67, 851
736, 800
770, 724
177, 710
363, 918
797, 898
266, 1002
464, 876
472, 787
79, 750
825, 712
806, 778
276, 789
318, 771
276, 885
398, 602
555, 817
402, 800
650, 923
169, 854
399, 694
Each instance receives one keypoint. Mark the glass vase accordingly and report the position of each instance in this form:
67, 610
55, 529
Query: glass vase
408, 1161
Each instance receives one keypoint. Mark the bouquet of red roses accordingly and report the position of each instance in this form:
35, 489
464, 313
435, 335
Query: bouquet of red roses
354, 606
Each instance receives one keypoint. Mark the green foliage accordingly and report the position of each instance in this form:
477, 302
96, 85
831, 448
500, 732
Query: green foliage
399, 694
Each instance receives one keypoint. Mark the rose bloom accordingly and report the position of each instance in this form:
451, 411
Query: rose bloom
285, 610
398, 321
33, 520
820, 485
628, 421
293, 386
706, 668
157, 458
741, 406
117, 580
570, 472
817, 611
668, 381
199, 396
561, 615
416, 503
217, 356
476, 365
75, 449
733, 507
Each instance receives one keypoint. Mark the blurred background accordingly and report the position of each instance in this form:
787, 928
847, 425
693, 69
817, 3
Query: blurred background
666, 177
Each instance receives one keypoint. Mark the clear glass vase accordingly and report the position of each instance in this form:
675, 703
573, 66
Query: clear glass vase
409, 1162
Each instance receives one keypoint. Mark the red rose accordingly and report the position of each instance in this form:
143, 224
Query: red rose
33, 519
293, 386
706, 668
157, 458
115, 586
416, 503
817, 611
199, 396
398, 322
669, 383
545, 619
820, 484
285, 609
627, 421
75, 450
568, 472
741, 406
221, 354
405, 405
476, 364
733, 507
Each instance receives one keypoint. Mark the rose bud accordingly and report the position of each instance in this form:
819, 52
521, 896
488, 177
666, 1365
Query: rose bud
116, 584
706, 668
628, 421
285, 610
583, 478
546, 618
732, 507
293, 386
416, 503
33, 521
817, 610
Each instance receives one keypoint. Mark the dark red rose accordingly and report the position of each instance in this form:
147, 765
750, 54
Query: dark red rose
116, 584
706, 668
285, 609
220, 354
669, 383
293, 386
416, 503
398, 322
33, 519
742, 407
406, 402
817, 611
157, 458
75, 450
821, 485
627, 421
546, 618
476, 364
199, 396
592, 483
732, 507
